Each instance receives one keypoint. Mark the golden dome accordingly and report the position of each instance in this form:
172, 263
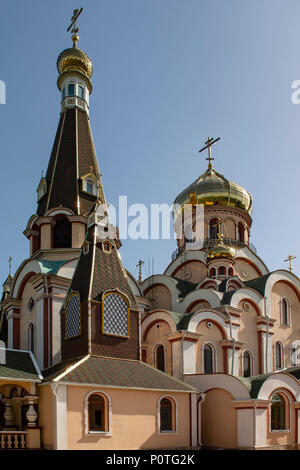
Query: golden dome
74, 59
220, 251
212, 188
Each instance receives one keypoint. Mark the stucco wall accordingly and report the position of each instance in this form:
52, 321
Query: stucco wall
46, 416
134, 421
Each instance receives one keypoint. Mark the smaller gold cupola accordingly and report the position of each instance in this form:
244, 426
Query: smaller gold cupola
220, 251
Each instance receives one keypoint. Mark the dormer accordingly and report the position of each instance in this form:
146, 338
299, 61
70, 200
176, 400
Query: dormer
42, 189
89, 184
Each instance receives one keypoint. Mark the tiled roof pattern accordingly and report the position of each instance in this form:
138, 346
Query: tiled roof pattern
74, 149
122, 373
19, 365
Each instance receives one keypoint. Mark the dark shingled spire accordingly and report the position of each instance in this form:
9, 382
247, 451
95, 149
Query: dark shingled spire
73, 156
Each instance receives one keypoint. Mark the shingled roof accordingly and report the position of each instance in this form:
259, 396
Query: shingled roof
73, 155
113, 372
20, 365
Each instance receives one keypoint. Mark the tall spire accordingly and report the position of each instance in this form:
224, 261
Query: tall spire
73, 179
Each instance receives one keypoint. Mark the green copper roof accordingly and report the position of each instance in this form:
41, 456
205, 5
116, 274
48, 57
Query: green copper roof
259, 283
254, 384
50, 266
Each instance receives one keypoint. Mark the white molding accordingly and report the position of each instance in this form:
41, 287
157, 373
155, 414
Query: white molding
86, 414
161, 433
60, 416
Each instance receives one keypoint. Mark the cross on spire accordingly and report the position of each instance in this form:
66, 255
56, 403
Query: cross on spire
74, 30
140, 263
289, 259
9, 264
210, 141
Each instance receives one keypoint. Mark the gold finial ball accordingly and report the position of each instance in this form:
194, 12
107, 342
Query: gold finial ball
74, 59
220, 251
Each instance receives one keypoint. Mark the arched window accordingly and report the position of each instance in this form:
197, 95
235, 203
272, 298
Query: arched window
247, 364
213, 228
71, 89
62, 233
241, 233
31, 337
160, 358
278, 355
212, 272
115, 315
221, 271
230, 272
72, 316
167, 411
208, 359
98, 413
278, 412
284, 312
81, 92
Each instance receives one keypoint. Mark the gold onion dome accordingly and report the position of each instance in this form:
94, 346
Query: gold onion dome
212, 188
220, 251
74, 60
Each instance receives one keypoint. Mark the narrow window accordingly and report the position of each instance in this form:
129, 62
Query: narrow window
166, 415
222, 271
284, 312
115, 315
71, 89
212, 272
160, 358
278, 356
208, 359
81, 92
213, 228
230, 272
246, 364
90, 187
278, 415
241, 233
72, 316
97, 413
62, 234
63, 92
31, 338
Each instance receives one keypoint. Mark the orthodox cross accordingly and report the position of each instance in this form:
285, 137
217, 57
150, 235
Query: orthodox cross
210, 141
74, 30
140, 263
9, 264
289, 259
218, 224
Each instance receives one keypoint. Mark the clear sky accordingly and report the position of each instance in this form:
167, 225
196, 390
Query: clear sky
167, 74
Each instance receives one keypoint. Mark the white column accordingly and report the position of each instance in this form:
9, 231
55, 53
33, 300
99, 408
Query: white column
266, 358
189, 357
245, 428
40, 332
60, 416
194, 417
260, 426
56, 331
235, 363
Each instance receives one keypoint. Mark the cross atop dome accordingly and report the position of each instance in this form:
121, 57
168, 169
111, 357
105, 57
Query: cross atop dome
210, 141
75, 30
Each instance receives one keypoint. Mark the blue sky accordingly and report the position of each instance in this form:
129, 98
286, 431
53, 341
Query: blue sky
167, 74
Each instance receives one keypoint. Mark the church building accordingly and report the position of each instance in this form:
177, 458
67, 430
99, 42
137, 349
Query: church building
205, 354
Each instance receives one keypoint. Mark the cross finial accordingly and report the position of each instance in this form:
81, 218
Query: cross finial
210, 141
140, 263
75, 30
9, 264
289, 259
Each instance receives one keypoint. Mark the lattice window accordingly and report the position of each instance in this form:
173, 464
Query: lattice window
115, 315
72, 316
